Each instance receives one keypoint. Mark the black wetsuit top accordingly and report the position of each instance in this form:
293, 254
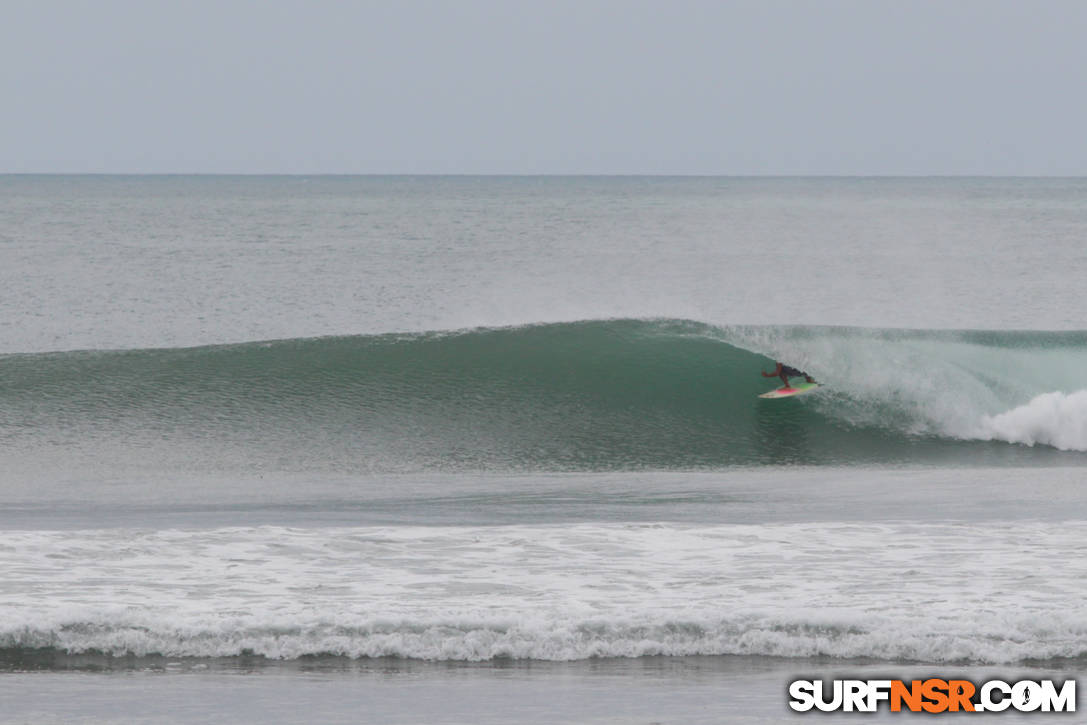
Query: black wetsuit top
791, 372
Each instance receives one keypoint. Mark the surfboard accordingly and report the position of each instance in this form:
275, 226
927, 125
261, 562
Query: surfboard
791, 391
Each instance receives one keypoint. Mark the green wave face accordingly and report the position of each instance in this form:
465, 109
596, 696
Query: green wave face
596, 395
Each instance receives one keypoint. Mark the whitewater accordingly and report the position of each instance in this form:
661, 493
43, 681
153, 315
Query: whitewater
556, 592
451, 430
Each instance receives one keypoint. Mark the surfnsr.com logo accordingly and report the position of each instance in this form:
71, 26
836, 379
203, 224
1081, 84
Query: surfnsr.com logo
932, 695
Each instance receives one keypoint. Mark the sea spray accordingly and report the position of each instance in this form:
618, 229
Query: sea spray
1052, 419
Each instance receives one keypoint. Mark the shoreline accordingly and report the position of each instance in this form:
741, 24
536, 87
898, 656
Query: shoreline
45, 660
704, 689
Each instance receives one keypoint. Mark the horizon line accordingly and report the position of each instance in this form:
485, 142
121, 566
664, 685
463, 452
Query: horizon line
543, 175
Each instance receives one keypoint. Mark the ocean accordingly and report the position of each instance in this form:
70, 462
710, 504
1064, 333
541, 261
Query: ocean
489, 449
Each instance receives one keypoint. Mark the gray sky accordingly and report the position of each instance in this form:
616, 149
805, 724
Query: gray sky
545, 86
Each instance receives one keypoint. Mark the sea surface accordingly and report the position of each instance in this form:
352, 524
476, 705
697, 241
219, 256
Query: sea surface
489, 449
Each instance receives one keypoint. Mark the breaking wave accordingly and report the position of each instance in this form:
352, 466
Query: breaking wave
593, 395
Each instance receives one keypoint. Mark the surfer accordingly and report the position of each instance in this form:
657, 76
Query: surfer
785, 372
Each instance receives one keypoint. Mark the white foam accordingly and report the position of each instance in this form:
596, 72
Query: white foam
992, 593
1053, 419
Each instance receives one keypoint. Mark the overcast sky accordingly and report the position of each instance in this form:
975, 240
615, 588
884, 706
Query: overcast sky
545, 86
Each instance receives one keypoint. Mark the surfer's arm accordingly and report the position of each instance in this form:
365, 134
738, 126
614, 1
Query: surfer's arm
776, 373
